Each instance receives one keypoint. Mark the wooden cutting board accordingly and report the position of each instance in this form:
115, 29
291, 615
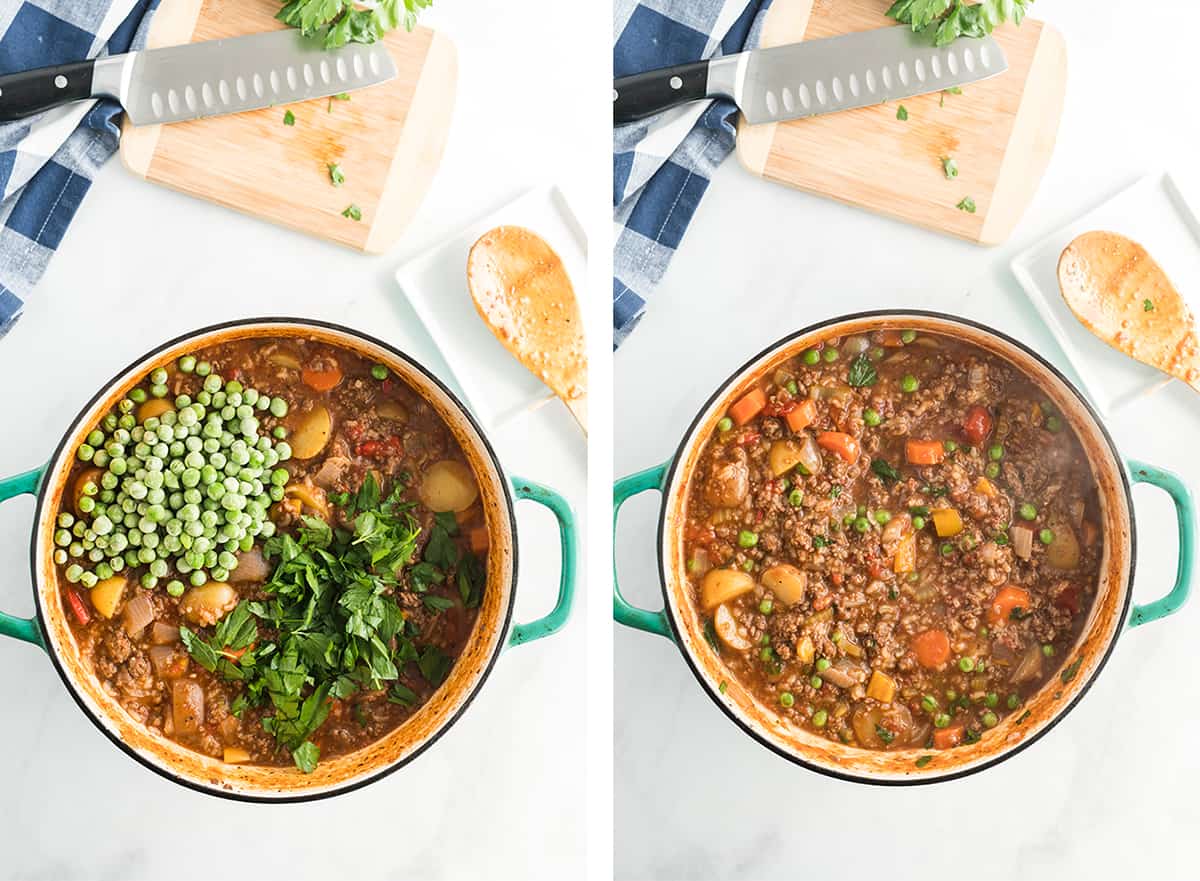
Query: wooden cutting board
1000, 131
387, 138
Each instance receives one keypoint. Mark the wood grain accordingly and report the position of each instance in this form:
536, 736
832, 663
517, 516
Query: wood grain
388, 139
1001, 131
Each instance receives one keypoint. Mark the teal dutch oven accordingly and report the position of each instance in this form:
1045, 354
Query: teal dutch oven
1112, 612
494, 630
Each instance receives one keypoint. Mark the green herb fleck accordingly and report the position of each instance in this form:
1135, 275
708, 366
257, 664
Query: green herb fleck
336, 177
1069, 673
884, 470
902, 113
1147, 305
353, 212
949, 167
710, 636
967, 204
922, 761
289, 118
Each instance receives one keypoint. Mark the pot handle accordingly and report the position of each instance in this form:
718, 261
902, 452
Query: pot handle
11, 487
552, 623
624, 613
1185, 514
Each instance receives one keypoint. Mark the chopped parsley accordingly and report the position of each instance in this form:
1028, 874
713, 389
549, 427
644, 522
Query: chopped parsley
835, 491
1023, 717
862, 372
884, 470
338, 22
336, 177
967, 204
902, 113
723, 687
884, 734
922, 761
289, 118
332, 618
820, 541
1147, 305
1069, 673
949, 167
353, 212
710, 636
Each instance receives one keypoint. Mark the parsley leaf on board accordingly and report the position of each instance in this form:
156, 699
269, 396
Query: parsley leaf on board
949, 167
967, 204
289, 118
336, 176
902, 113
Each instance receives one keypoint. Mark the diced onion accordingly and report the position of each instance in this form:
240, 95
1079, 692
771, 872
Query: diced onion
139, 612
163, 634
1022, 539
187, 706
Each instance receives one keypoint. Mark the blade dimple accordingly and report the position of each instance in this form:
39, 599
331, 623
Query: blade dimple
246, 73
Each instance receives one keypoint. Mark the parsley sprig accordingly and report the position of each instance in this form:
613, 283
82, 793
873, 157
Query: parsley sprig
338, 22
951, 19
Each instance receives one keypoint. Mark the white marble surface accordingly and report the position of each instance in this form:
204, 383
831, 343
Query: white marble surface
1107, 793
500, 793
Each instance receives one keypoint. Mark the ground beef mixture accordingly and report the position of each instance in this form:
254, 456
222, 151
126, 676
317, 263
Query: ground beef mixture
893, 540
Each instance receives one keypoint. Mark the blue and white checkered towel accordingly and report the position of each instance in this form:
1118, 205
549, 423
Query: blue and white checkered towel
661, 166
47, 162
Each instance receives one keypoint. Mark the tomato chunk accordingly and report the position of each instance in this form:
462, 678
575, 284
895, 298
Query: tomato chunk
977, 425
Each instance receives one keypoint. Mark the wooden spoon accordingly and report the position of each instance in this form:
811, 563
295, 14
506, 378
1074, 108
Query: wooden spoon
522, 292
1121, 294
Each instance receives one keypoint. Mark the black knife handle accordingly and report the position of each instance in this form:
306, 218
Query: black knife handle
32, 91
644, 94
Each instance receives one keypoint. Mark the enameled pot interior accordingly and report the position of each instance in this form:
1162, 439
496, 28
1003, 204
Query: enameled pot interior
1108, 614
332, 775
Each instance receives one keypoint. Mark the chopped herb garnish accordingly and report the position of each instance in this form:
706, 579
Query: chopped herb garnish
289, 118
1023, 717
835, 491
884, 470
953, 90
1069, 673
970, 735
1018, 614
949, 167
884, 734
820, 541
922, 761
353, 212
1147, 305
710, 636
862, 372
902, 113
723, 687
336, 177
967, 204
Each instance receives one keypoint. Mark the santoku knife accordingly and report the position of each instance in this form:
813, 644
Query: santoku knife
816, 76
201, 79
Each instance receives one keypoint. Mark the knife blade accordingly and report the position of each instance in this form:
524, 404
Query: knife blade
208, 78
815, 76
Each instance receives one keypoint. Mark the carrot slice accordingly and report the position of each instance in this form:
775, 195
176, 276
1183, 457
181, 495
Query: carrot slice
321, 380
802, 415
950, 736
1008, 600
932, 648
839, 442
749, 406
924, 452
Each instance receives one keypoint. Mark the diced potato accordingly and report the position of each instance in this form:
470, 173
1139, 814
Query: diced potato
784, 456
154, 407
721, 585
285, 358
805, 650
448, 485
207, 604
392, 410
86, 476
985, 487
187, 706
906, 555
1063, 552
881, 687
235, 755
727, 632
311, 497
786, 582
311, 432
106, 595
947, 522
